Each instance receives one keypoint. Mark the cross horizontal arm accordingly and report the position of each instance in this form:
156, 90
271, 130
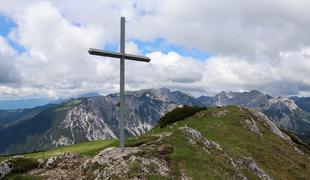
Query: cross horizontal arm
112, 54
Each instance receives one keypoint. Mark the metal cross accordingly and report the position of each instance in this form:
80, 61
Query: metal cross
122, 56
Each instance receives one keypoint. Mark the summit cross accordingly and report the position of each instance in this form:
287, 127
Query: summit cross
122, 56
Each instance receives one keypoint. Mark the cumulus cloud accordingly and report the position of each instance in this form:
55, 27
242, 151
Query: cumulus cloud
253, 45
8, 72
244, 28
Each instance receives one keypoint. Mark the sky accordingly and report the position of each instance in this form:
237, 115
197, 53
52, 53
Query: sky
198, 46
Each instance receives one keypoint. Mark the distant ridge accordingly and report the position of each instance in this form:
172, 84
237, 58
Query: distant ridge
96, 118
26, 103
31, 103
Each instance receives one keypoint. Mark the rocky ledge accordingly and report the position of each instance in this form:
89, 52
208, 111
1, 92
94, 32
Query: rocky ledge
111, 163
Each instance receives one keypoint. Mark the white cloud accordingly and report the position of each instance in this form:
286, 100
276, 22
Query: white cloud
132, 48
254, 45
8, 72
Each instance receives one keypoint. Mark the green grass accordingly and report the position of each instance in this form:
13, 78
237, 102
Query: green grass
87, 148
271, 153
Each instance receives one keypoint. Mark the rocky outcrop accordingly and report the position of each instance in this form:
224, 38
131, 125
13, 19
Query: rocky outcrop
195, 137
269, 124
64, 166
123, 163
251, 125
250, 164
41, 163
111, 163
5, 168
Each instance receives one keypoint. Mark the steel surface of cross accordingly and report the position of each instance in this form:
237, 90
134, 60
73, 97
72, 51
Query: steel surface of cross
122, 56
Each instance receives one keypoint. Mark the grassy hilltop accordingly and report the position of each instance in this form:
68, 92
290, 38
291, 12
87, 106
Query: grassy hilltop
216, 143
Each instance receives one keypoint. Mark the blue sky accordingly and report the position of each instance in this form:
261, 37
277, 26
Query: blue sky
145, 47
166, 47
6, 26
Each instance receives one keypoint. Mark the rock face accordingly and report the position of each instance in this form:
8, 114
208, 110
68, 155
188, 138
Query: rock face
97, 117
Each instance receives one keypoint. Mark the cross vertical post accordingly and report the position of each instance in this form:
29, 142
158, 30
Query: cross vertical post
122, 56
122, 84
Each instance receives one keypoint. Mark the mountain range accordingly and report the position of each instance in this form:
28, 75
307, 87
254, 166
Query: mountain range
93, 118
291, 114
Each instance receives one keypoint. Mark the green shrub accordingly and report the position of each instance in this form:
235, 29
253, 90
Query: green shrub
21, 165
178, 114
24, 177
133, 142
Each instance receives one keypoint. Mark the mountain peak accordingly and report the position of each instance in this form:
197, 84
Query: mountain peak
283, 102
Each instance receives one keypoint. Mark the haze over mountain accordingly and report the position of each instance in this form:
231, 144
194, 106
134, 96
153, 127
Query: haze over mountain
31, 103
26, 104
94, 118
